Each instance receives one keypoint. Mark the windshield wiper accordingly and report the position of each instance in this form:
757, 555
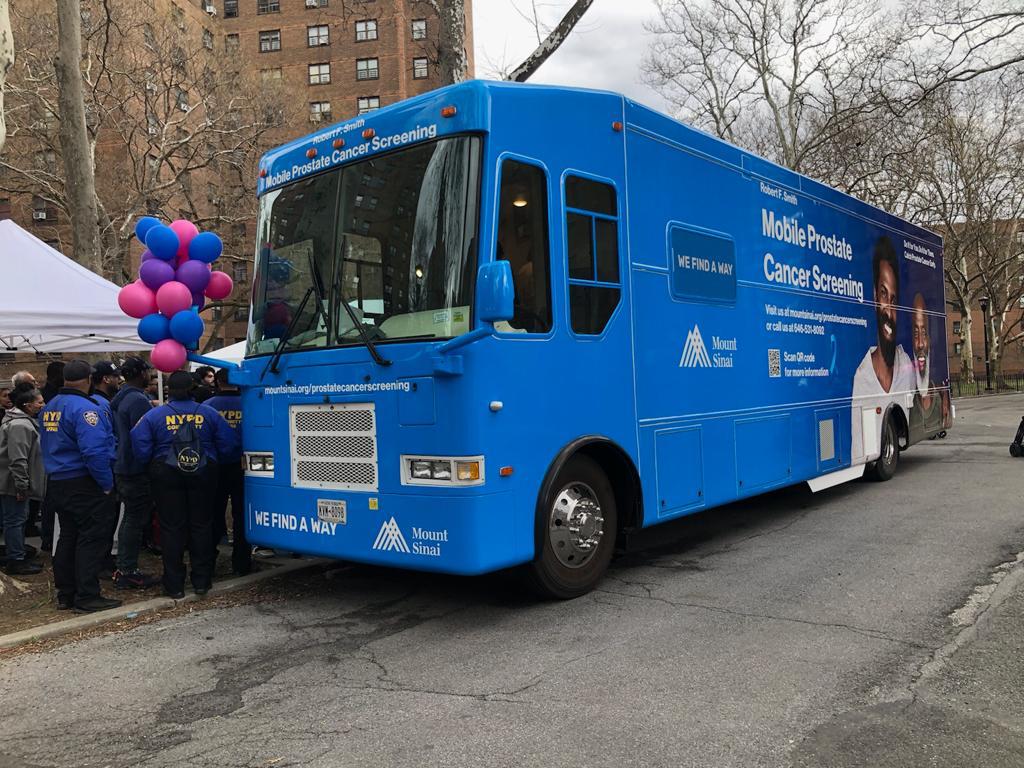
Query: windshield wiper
272, 365
316, 284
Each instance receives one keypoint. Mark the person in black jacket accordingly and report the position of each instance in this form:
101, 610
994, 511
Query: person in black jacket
54, 380
129, 405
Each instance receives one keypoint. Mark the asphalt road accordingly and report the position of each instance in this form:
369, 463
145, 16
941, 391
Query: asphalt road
790, 630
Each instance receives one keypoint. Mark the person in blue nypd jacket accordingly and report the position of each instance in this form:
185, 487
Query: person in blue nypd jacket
182, 442
231, 477
77, 442
129, 405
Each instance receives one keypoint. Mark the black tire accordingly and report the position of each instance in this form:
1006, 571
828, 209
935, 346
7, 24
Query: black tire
884, 467
1015, 450
552, 574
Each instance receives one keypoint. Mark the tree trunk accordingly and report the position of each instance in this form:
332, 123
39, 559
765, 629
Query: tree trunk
452, 60
966, 348
6, 62
551, 43
79, 171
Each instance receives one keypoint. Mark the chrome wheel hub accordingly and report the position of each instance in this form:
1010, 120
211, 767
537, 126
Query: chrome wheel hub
576, 525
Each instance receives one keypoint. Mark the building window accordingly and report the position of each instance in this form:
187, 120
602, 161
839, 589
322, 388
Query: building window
956, 327
208, 39
270, 40
268, 6
46, 160
319, 110
366, 30
957, 347
241, 313
270, 75
178, 16
43, 212
230, 9
419, 69
317, 3
239, 272
318, 35
366, 103
5, 208
147, 35
181, 97
319, 74
231, 43
419, 29
367, 69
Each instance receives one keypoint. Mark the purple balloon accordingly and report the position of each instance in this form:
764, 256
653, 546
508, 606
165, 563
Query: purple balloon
147, 256
198, 301
155, 273
195, 275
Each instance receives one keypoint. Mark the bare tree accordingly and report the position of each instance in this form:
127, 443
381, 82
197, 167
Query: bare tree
79, 173
971, 187
550, 41
6, 61
173, 123
784, 78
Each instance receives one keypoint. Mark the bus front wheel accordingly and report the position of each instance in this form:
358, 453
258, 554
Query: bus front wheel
577, 525
884, 467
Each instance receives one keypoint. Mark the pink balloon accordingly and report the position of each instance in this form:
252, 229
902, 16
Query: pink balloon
220, 286
173, 297
185, 230
136, 300
168, 355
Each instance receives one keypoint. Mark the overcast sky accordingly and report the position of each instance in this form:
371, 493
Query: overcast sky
605, 50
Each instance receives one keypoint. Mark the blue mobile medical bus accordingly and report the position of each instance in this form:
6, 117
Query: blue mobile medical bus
499, 325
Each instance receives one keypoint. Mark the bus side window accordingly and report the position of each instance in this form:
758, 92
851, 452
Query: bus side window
592, 238
523, 241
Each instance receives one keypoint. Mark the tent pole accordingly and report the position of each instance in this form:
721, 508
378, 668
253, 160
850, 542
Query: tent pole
160, 385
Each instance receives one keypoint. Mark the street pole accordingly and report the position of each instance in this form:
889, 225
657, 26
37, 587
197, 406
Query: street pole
984, 320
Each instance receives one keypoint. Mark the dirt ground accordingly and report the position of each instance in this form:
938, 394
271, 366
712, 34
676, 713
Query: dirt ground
37, 605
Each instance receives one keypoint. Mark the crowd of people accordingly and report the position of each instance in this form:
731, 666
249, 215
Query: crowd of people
96, 450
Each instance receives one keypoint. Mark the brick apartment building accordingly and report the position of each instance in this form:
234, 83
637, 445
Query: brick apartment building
332, 60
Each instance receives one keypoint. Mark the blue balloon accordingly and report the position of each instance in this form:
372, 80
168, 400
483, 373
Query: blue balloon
154, 328
205, 246
187, 326
162, 242
143, 225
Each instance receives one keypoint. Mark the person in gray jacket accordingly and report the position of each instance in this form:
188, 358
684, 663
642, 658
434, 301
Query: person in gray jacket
21, 474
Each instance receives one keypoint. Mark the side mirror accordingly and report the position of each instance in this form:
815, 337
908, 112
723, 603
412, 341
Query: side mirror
495, 291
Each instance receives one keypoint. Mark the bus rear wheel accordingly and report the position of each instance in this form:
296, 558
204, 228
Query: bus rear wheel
884, 467
578, 522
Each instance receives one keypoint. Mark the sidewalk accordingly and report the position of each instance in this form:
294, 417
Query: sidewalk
29, 613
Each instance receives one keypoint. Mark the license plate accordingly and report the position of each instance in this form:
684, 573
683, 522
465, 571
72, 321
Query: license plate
331, 511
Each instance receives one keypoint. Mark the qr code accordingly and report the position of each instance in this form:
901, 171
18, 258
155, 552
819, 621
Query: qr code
774, 365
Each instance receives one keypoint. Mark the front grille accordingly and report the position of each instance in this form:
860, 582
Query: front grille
334, 446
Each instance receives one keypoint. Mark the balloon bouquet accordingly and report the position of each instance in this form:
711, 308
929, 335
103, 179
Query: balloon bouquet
175, 279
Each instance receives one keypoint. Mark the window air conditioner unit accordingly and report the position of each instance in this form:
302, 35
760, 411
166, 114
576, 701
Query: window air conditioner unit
311, 3
210, 9
39, 215
315, 117
324, 42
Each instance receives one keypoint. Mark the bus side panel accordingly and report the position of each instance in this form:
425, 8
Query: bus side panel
755, 321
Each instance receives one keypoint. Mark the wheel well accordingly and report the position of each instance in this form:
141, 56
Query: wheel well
899, 419
624, 479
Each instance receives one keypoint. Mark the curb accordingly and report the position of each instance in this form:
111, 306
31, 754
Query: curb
133, 610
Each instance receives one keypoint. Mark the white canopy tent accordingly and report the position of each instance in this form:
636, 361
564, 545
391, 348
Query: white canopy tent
49, 303
233, 353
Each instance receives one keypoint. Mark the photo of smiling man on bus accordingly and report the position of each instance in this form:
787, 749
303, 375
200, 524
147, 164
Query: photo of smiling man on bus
886, 369
930, 413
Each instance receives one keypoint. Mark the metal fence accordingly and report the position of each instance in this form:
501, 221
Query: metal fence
1005, 382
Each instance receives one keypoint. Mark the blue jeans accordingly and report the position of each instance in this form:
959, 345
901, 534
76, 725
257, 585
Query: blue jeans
15, 513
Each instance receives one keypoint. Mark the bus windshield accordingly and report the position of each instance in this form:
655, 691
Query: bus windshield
393, 237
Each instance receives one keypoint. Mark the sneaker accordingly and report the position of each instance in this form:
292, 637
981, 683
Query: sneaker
202, 590
179, 595
65, 603
22, 568
263, 552
133, 580
96, 604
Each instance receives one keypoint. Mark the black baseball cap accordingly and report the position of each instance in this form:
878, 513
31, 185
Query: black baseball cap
133, 367
102, 368
77, 370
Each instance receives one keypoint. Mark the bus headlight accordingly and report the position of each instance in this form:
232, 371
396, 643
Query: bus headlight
442, 470
259, 463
